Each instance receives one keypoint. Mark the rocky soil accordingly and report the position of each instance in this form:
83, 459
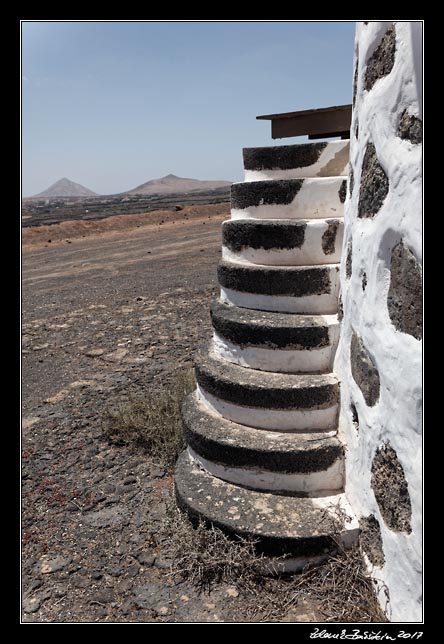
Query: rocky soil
115, 311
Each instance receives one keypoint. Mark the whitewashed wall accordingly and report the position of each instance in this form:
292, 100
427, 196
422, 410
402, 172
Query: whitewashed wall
381, 297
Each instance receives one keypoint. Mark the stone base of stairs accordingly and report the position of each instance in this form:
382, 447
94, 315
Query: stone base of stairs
264, 460
300, 528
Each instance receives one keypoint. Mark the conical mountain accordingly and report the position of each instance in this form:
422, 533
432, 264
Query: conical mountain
65, 188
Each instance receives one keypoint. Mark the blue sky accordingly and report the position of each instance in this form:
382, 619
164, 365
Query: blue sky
111, 105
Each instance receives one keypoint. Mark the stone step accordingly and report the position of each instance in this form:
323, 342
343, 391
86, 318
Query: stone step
283, 525
279, 342
297, 463
267, 400
290, 289
316, 198
285, 242
321, 159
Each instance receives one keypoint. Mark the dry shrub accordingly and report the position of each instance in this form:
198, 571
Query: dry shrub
152, 422
340, 588
206, 556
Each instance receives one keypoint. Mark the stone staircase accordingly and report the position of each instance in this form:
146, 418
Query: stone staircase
263, 457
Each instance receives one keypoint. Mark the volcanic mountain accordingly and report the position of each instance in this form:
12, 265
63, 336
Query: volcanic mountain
64, 188
172, 184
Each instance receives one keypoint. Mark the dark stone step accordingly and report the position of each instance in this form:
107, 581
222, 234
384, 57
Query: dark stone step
233, 445
282, 234
303, 155
248, 327
291, 241
267, 390
264, 193
297, 281
282, 192
283, 157
299, 527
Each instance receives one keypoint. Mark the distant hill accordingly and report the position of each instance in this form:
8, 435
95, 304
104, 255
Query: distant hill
172, 184
64, 188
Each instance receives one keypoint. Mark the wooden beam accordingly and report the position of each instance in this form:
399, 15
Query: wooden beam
343, 135
323, 122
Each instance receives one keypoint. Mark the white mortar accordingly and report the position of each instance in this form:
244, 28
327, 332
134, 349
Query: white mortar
310, 304
325, 482
397, 415
277, 360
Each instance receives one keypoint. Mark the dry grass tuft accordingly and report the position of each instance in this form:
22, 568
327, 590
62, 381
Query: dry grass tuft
206, 556
339, 588
152, 422
342, 588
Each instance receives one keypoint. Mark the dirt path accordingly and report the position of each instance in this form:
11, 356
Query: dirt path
130, 292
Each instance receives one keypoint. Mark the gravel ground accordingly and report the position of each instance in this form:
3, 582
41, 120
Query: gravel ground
106, 314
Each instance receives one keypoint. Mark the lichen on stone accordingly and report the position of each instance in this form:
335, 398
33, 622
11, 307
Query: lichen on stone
343, 191
349, 259
404, 299
410, 128
374, 184
381, 62
364, 371
371, 540
391, 489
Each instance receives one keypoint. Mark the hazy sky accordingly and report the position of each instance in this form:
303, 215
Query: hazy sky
111, 105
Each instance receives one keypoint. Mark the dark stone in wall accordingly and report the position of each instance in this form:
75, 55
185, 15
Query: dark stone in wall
354, 415
404, 299
355, 81
364, 281
382, 60
371, 540
349, 260
340, 308
357, 129
329, 237
391, 490
374, 184
343, 191
364, 371
351, 180
410, 128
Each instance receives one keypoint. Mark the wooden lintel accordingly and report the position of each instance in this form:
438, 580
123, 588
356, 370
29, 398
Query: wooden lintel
323, 123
